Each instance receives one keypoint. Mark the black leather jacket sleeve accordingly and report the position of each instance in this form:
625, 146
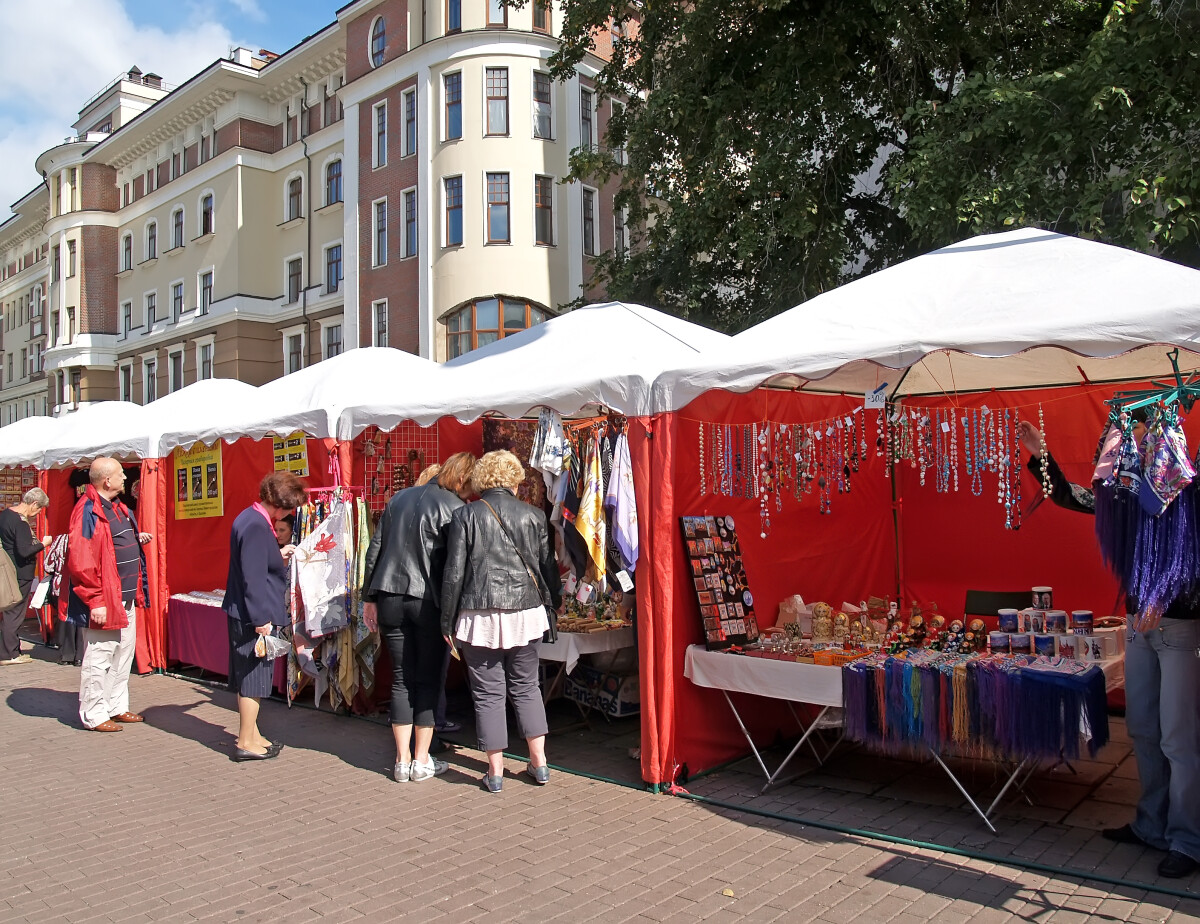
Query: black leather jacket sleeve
1063, 492
406, 553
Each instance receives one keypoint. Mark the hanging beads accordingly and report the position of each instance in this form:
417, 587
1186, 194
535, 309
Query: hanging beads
702, 484
1044, 459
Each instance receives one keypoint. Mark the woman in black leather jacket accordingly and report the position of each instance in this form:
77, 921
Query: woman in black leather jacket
500, 574
401, 590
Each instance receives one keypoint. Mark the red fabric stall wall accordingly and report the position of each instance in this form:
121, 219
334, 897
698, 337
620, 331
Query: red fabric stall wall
845, 555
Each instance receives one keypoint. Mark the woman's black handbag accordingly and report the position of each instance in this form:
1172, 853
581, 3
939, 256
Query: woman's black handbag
551, 634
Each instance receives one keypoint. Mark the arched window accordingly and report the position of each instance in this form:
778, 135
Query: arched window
127, 252
152, 240
333, 182
378, 41
206, 215
177, 228
295, 198
487, 320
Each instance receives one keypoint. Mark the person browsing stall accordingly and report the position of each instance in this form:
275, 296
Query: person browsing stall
16, 539
104, 586
401, 590
255, 602
1162, 689
500, 570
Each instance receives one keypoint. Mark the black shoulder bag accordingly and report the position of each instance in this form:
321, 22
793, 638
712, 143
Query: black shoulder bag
551, 633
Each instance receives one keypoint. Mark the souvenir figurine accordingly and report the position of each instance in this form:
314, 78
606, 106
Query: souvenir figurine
936, 622
822, 623
841, 626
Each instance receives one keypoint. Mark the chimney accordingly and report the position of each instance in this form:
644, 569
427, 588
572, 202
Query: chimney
135, 74
242, 56
152, 80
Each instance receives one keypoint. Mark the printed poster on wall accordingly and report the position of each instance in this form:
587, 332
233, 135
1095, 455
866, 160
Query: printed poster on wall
199, 483
291, 454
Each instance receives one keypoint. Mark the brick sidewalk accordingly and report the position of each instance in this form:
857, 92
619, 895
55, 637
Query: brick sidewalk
156, 824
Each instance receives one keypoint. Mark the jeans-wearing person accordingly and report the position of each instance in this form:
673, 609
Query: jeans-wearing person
1162, 711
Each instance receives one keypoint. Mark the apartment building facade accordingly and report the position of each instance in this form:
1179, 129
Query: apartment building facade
395, 179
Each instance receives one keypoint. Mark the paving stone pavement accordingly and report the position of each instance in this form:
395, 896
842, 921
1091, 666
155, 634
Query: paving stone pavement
156, 824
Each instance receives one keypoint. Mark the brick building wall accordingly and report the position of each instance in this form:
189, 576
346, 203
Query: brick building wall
399, 280
358, 36
98, 188
98, 280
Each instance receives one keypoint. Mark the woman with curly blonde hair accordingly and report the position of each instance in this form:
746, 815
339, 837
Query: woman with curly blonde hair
500, 575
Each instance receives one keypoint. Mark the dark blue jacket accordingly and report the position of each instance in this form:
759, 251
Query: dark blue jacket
256, 591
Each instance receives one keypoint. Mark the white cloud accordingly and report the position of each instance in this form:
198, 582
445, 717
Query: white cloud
250, 9
53, 61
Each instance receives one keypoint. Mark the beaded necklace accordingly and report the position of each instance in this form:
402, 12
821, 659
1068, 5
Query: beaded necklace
980, 460
1044, 461
702, 484
1002, 480
727, 474
949, 424
1016, 472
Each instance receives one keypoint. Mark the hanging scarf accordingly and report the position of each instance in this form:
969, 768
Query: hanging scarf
620, 499
589, 521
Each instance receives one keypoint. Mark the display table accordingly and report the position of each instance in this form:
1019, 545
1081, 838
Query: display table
817, 685
198, 635
823, 686
567, 651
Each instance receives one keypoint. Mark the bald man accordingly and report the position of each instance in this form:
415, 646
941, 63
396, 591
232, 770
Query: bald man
105, 578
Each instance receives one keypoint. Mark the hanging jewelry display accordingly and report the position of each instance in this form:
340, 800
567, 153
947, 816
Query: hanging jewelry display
702, 482
949, 424
1044, 458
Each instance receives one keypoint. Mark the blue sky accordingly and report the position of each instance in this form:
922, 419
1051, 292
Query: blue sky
47, 71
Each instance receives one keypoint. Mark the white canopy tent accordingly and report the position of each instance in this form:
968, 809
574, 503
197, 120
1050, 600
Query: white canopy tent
606, 355
24, 441
1058, 309
125, 430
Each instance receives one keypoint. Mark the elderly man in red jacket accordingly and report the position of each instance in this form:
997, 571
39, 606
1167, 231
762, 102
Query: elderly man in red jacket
106, 575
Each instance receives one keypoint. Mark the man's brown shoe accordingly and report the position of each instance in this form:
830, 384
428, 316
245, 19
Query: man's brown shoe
127, 718
106, 726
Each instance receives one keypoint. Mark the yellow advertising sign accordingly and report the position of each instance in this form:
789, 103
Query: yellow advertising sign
291, 454
199, 483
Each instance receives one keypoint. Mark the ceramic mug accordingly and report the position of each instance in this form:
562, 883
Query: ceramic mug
1043, 598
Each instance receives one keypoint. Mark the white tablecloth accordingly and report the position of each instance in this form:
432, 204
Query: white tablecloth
801, 683
820, 684
571, 645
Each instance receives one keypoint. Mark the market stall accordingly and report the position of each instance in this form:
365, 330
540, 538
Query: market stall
1040, 318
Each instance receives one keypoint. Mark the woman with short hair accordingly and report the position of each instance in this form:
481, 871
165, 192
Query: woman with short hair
500, 573
255, 602
16, 539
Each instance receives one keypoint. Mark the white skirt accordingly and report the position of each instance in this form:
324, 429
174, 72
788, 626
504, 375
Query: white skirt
500, 629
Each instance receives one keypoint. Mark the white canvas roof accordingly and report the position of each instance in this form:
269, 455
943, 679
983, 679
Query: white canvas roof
607, 355
1019, 309
24, 442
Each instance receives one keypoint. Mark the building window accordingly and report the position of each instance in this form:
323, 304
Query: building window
497, 100
380, 311
497, 13
333, 268
127, 383
151, 298
587, 130
10, 367
206, 216
410, 123
620, 232
127, 252
54, 316
174, 372
410, 223
497, 208
177, 229
380, 151
454, 221
71, 259
76, 385
150, 177
487, 320
618, 109
204, 155
176, 301
152, 241
333, 182
149, 380
174, 166
56, 264
453, 16
70, 325
378, 42
295, 193
295, 352
126, 317
289, 126
379, 237
24, 362
329, 105
543, 205
589, 222
333, 340
294, 275
543, 126
453, 86
206, 287
204, 364
541, 15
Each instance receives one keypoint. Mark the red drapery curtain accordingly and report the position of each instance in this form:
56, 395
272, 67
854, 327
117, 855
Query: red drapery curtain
152, 518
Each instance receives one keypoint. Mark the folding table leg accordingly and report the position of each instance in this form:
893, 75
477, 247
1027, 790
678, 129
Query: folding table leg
1012, 778
772, 777
966, 795
749, 740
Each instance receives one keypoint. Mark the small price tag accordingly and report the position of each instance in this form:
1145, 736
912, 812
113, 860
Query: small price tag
623, 581
569, 584
586, 593
876, 399
945, 427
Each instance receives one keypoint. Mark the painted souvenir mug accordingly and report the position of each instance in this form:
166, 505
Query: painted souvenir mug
1043, 598
1043, 645
1068, 645
998, 642
1008, 620
1035, 621
1056, 621
1081, 622
1088, 649
1021, 643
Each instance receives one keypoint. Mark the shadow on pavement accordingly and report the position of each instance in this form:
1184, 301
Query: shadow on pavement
42, 702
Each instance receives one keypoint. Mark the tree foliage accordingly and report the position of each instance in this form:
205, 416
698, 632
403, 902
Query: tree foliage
773, 146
